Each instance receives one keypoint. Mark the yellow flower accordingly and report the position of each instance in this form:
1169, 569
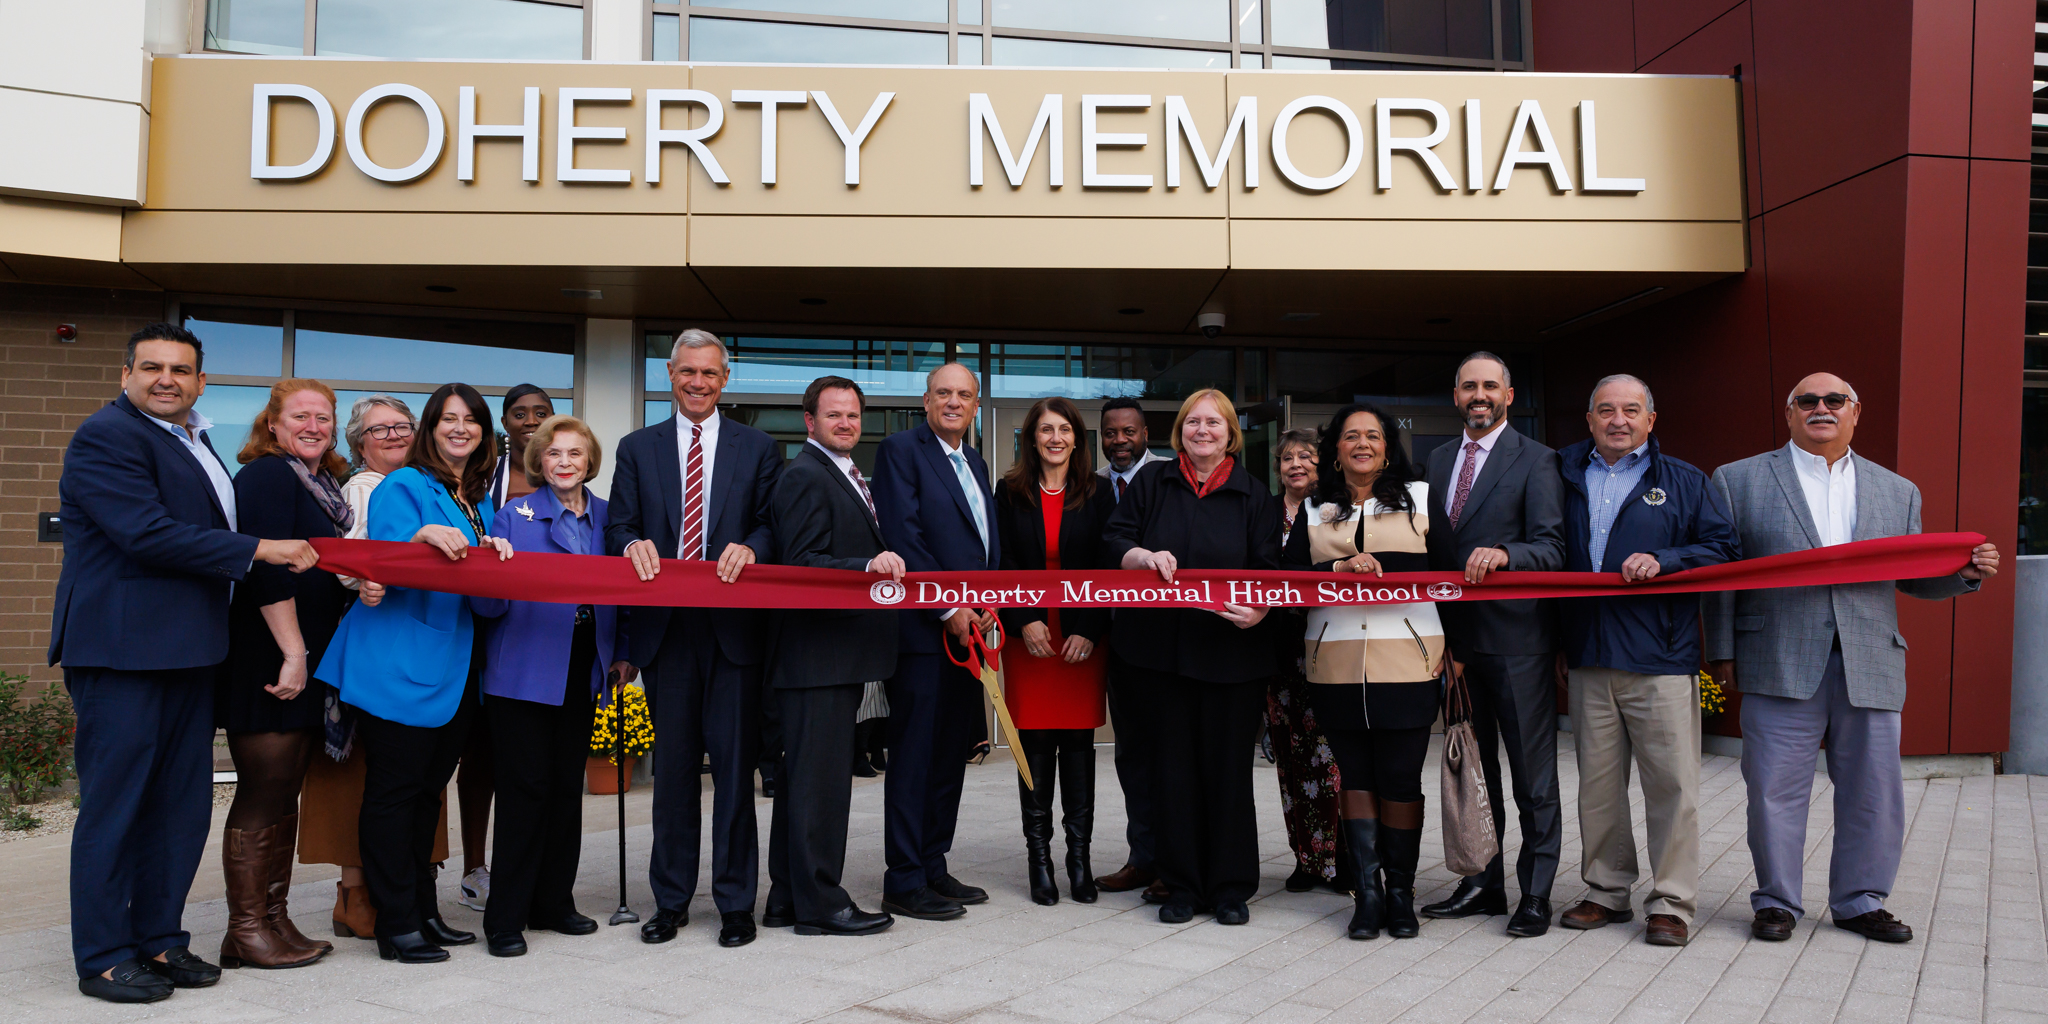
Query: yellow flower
638, 725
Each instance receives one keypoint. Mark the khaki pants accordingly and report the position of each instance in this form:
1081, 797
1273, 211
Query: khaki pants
1656, 720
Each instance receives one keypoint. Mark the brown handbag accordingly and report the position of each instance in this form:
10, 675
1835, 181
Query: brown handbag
1469, 840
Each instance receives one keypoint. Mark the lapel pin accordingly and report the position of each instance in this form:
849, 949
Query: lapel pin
526, 510
1655, 496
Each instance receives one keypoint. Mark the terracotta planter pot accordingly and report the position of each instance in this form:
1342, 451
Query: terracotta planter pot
603, 776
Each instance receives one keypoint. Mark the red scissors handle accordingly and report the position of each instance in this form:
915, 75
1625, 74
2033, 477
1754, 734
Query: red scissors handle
979, 651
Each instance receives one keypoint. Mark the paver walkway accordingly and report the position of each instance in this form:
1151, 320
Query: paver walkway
1971, 888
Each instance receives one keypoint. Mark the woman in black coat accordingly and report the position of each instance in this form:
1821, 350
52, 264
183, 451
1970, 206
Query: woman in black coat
1203, 679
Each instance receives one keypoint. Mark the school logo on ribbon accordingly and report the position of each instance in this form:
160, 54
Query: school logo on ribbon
1444, 591
887, 592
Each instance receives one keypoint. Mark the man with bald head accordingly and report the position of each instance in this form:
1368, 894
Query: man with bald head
1822, 664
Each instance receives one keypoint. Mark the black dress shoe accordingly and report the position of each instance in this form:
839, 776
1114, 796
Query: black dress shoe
778, 917
735, 928
1879, 925
1531, 919
1773, 924
410, 948
571, 923
1233, 912
1176, 913
437, 932
958, 891
1469, 900
851, 921
662, 926
505, 943
923, 904
129, 982
862, 769
182, 969
1302, 880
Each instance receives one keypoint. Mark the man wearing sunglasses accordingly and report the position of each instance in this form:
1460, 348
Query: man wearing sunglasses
1822, 664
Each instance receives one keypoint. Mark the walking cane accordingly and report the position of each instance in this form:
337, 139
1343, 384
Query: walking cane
623, 915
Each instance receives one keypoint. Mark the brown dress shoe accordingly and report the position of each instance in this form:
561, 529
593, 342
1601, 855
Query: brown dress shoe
1879, 925
1773, 924
1587, 915
1126, 878
1664, 930
1156, 894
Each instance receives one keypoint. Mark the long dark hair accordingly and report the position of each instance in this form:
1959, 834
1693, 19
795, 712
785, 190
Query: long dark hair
472, 479
1390, 488
1025, 474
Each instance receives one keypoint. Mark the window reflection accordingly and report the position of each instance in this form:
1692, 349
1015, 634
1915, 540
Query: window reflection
256, 26
1430, 28
246, 342
231, 408
1169, 19
718, 39
898, 10
1044, 53
407, 350
970, 49
1249, 23
498, 29
1104, 371
969, 11
1282, 62
668, 37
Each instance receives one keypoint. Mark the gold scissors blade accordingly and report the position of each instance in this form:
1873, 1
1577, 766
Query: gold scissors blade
995, 695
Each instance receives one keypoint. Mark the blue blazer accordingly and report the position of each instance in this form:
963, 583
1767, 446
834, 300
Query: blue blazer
526, 643
647, 504
407, 659
148, 555
926, 520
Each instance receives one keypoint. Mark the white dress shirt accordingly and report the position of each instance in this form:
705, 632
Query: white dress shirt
1145, 458
709, 442
949, 451
1830, 493
1478, 458
223, 487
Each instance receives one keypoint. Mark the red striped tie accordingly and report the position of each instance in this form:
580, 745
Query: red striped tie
693, 496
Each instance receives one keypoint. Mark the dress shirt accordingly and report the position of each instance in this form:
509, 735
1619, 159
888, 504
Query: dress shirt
575, 532
223, 487
975, 499
847, 469
709, 441
1478, 458
1607, 487
1830, 493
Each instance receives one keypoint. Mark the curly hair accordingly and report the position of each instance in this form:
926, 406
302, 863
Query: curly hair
1390, 488
262, 442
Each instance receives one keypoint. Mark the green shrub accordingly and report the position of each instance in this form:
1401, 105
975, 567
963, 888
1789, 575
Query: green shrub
35, 738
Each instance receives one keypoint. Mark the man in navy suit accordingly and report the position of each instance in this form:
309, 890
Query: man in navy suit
937, 511
141, 625
697, 487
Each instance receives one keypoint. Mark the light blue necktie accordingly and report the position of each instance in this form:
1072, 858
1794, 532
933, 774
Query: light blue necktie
973, 492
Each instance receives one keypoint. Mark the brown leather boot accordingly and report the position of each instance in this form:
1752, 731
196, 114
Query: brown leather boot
354, 917
250, 939
282, 847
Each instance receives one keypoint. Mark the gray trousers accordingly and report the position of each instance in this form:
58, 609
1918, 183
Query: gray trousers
1780, 740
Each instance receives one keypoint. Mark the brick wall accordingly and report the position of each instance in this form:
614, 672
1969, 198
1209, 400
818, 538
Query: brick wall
47, 388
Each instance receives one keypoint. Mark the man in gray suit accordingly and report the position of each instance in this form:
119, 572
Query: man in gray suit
1822, 663
1496, 501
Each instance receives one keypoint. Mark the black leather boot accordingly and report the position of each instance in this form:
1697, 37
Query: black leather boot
1077, 800
1400, 848
1037, 807
1362, 873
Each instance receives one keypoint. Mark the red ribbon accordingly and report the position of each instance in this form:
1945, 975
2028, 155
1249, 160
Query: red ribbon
598, 579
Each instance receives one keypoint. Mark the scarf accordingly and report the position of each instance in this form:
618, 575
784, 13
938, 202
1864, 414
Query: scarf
326, 494
1216, 480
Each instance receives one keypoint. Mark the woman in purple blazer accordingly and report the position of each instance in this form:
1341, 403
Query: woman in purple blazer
544, 667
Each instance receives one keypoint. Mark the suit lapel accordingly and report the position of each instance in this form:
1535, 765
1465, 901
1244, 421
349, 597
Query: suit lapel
935, 454
1795, 495
182, 454
846, 487
1867, 502
669, 470
451, 513
1505, 451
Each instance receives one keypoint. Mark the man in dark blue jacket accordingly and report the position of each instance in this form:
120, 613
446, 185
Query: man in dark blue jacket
1635, 661
141, 626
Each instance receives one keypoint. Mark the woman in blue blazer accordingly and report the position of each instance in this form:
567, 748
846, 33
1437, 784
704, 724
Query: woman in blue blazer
544, 666
408, 666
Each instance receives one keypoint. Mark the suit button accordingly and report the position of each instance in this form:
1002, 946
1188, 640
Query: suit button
1829, 624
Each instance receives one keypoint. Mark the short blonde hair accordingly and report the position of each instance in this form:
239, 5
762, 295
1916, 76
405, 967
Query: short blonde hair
544, 435
1223, 406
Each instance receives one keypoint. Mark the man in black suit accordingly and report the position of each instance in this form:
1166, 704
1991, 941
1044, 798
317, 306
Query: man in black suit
141, 625
696, 487
824, 518
938, 512
1496, 502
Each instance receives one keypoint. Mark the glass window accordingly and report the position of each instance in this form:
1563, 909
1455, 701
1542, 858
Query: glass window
970, 11
766, 42
1251, 61
1300, 23
1043, 53
786, 366
495, 29
1510, 29
970, 49
1348, 375
898, 10
1432, 28
232, 408
256, 26
1104, 371
246, 342
1249, 22
668, 37
407, 350
1282, 62
1165, 19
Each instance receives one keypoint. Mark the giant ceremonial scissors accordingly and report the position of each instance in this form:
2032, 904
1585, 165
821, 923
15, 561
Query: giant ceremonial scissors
982, 660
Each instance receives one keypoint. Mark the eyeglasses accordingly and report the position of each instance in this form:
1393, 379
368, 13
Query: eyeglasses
387, 431
1835, 401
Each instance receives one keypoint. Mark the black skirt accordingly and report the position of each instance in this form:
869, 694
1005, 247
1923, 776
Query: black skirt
1351, 706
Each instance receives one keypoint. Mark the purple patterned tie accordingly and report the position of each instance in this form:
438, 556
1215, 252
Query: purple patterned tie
1464, 482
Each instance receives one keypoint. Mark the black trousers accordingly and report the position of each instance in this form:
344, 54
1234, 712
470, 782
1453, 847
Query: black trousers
406, 769
1134, 726
541, 750
1514, 701
703, 703
935, 713
1384, 762
807, 834
1062, 760
1208, 830
144, 748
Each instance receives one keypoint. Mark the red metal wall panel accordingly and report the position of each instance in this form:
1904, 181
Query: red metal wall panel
1583, 35
1832, 88
2002, 65
1941, 76
1662, 24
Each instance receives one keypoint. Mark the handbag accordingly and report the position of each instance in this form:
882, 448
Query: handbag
1469, 840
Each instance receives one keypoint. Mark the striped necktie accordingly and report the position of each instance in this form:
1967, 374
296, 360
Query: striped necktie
693, 497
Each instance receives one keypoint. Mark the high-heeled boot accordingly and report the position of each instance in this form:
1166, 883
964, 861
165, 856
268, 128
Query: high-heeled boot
1036, 804
354, 917
1077, 801
1400, 849
277, 893
1362, 874
250, 939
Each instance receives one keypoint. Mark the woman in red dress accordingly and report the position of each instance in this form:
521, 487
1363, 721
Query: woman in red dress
1051, 515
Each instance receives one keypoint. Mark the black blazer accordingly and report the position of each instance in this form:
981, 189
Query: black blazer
1236, 527
272, 504
1022, 525
1517, 504
647, 503
821, 522
148, 556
